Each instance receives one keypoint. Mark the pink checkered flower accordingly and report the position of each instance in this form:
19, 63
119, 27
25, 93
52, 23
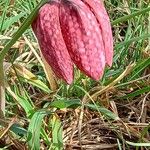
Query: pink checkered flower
75, 32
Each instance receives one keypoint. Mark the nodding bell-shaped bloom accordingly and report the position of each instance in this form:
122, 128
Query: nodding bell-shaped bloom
75, 32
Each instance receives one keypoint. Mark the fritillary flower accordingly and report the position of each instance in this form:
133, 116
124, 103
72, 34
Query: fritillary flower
75, 32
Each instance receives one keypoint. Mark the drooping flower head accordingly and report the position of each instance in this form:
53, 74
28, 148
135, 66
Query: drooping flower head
75, 32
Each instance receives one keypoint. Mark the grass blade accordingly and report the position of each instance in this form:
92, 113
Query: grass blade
128, 17
34, 129
57, 133
138, 144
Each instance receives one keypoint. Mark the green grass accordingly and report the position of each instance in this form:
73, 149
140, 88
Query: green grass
114, 109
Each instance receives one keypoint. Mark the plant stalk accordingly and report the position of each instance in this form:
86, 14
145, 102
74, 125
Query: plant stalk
2, 90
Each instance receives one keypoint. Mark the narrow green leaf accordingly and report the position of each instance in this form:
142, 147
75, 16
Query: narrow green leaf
3, 15
138, 144
142, 37
140, 66
23, 101
104, 111
136, 93
46, 137
39, 84
30, 78
15, 127
25, 105
11, 20
18, 130
57, 133
63, 103
34, 129
127, 17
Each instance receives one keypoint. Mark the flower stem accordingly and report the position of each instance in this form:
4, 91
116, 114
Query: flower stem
2, 91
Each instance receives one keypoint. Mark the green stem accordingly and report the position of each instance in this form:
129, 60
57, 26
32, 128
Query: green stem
127, 17
2, 91
149, 30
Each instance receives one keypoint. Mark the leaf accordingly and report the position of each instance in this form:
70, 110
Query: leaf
11, 20
17, 129
136, 93
31, 78
138, 144
139, 67
127, 17
142, 37
63, 103
45, 137
57, 133
34, 129
14, 127
3, 15
103, 110
76, 102
26, 105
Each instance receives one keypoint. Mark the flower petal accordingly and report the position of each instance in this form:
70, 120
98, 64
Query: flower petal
83, 38
48, 32
100, 13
